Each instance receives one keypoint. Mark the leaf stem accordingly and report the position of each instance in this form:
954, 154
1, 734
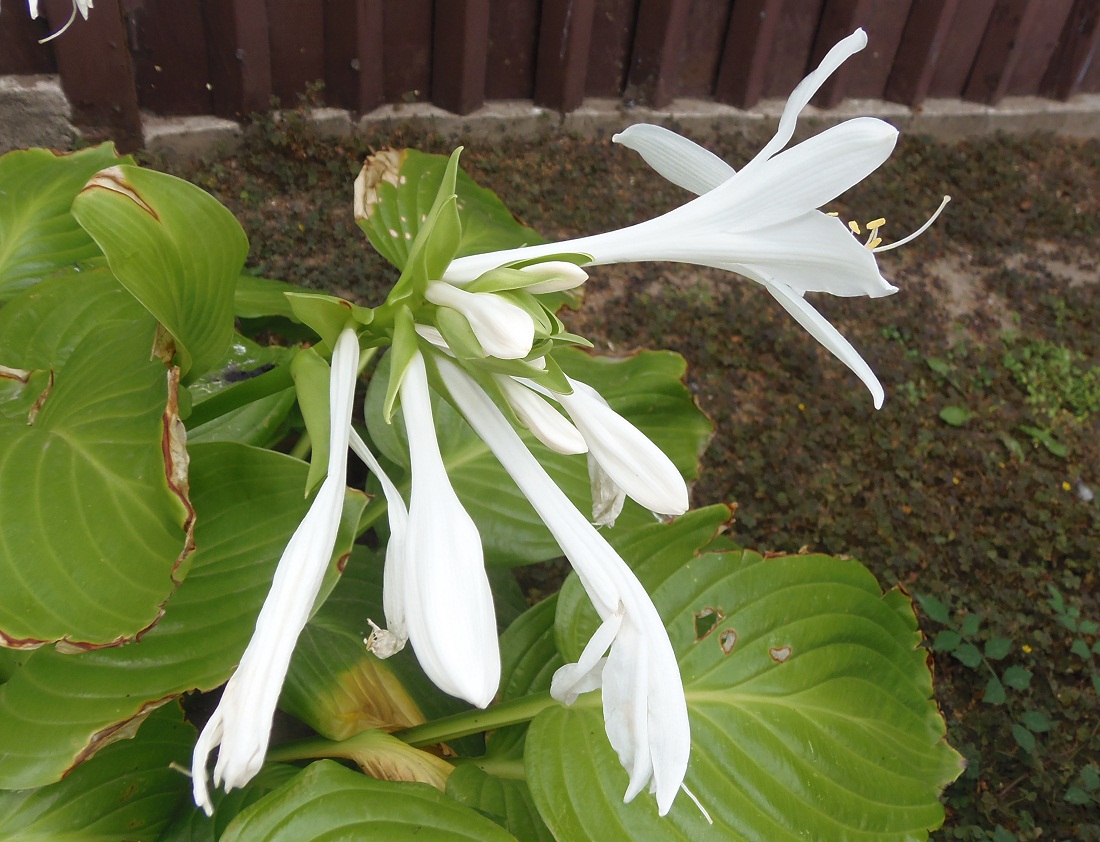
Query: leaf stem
475, 721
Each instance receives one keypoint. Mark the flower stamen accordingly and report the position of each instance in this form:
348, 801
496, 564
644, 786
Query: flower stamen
879, 248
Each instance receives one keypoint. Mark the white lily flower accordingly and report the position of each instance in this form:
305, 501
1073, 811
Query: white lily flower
645, 712
81, 6
761, 222
241, 724
626, 458
504, 330
448, 603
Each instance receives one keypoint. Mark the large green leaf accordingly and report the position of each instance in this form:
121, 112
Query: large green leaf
93, 493
405, 195
327, 801
127, 791
38, 234
646, 388
56, 710
190, 824
176, 249
810, 703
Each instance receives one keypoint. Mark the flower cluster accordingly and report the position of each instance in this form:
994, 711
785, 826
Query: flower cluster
476, 330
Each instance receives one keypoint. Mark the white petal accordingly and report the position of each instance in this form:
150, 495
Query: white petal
449, 607
558, 275
802, 178
607, 497
571, 680
242, 721
504, 330
805, 91
821, 330
547, 424
633, 462
683, 162
393, 575
33, 6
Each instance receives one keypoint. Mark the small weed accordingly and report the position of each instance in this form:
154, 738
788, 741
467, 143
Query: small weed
1055, 378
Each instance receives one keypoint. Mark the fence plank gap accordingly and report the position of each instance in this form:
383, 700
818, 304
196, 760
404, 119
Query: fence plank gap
921, 45
97, 75
750, 38
1079, 48
565, 36
1001, 49
654, 59
240, 57
461, 48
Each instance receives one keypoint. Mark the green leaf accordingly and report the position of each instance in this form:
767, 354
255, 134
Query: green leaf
56, 710
997, 648
1088, 627
190, 824
402, 353
1000, 834
971, 624
311, 376
1076, 795
505, 800
257, 298
327, 801
1037, 721
1011, 445
176, 248
1024, 738
1081, 649
38, 235
947, 641
968, 654
403, 201
93, 491
994, 692
1017, 678
956, 416
934, 609
327, 315
1046, 438
127, 791
647, 389
811, 709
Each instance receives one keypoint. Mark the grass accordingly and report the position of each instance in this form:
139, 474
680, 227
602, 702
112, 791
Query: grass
972, 488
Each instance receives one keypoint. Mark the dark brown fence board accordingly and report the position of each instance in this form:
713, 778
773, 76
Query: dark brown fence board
239, 54
565, 36
750, 38
93, 58
701, 48
458, 61
353, 54
1001, 48
513, 41
296, 38
869, 70
1037, 46
609, 57
794, 40
960, 48
838, 19
20, 52
407, 25
654, 56
919, 51
168, 46
1078, 52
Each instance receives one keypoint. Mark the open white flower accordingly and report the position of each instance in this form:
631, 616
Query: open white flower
241, 724
645, 712
761, 222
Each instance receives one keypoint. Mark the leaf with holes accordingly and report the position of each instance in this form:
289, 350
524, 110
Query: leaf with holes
327, 801
647, 389
176, 249
57, 710
38, 235
813, 719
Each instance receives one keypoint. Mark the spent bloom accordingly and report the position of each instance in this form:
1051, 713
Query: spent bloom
761, 222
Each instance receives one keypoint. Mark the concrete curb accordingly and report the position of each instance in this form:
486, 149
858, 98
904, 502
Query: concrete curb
34, 111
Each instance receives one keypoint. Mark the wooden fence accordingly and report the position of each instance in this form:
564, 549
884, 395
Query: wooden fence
230, 57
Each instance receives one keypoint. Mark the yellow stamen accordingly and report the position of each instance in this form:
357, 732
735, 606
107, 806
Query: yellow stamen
855, 227
874, 244
876, 223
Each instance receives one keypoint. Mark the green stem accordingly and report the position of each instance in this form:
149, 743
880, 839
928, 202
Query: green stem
499, 767
308, 749
302, 446
268, 383
475, 721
